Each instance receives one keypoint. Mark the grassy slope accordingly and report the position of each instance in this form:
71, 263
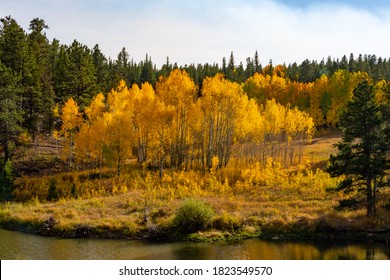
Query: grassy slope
270, 213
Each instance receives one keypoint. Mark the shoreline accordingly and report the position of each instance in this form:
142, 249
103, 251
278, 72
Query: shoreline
149, 234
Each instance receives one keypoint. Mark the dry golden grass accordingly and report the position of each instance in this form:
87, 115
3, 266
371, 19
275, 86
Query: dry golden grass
249, 199
126, 213
321, 147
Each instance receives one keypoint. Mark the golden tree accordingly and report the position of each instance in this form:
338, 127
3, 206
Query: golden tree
91, 140
221, 101
71, 120
144, 100
119, 118
179, 91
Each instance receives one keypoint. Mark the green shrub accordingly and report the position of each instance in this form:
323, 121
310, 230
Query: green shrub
192, 216
53, 193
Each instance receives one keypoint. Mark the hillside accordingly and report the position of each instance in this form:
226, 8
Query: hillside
139, 205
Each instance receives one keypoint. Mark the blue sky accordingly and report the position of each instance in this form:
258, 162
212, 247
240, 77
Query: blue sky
200, 31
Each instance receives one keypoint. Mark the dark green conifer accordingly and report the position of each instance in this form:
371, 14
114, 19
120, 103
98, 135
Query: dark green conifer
362, 152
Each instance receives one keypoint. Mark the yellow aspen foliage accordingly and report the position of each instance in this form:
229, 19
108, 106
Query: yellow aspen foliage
70, 116
120, 99
196, 143
323, 99
71, 120
84, 144
250, 122
119, 119
283, 133
381, 89
107, 135
265, 87
318, 106
144, 100
56, 111
56, 134
173, 127
279, 70
221, 101
179, 91
274, 114
341, 86
177, 88
255, 87
95, 108
90, 141
119, 139
161, 134
277, 87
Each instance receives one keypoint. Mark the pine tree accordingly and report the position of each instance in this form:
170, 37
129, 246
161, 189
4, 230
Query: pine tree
344, 63
101, 66
81, 82
121, 67
361, 154
10, 110
15, 62
231, 69
60, 59
147, 73
75, 74
166, 68
13, 46
231, 62
250, 68
40, 94
258, 68
224, 68
351, 63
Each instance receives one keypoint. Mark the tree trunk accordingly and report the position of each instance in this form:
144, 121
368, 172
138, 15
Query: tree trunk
161, 166
6, 150
209, 152
101, 165
119, 163
374, 196
369, 196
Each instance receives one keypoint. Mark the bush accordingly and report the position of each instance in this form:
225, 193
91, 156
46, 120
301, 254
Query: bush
53, 194
192, 216
226, 222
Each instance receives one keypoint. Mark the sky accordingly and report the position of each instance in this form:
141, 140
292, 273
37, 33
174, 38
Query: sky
205, 31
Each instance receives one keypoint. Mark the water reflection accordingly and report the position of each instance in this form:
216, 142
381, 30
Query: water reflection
16, 245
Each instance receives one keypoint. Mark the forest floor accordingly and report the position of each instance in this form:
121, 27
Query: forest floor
136, 212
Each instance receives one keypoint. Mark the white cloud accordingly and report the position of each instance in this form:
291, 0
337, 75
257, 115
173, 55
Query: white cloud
286, 34
205, 31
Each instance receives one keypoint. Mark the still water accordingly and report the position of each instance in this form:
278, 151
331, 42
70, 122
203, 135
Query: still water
22, 246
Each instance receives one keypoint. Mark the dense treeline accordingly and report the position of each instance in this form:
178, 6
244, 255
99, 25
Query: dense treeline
38, 76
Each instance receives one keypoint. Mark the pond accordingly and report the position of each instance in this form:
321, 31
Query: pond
23, 246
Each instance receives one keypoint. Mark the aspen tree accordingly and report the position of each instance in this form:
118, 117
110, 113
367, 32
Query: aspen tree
71, 120
179, 91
